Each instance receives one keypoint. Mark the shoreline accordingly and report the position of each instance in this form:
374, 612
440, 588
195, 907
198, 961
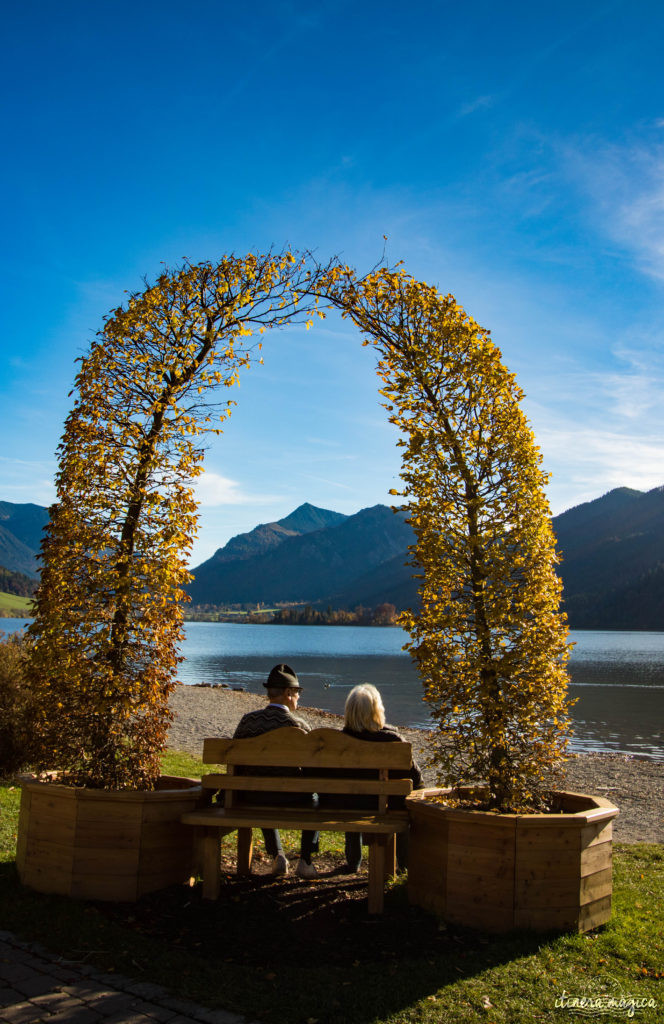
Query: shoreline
635, 785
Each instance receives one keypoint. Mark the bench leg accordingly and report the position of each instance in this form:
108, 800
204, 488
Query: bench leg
377, 847
245, 847
211, 857
391, 856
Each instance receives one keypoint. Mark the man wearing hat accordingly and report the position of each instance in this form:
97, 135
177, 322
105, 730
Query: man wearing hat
283, 692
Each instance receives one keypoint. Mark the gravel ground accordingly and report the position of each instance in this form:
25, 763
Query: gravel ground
635, 785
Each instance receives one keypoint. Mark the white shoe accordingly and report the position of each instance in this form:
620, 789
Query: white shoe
279, 865
305, 870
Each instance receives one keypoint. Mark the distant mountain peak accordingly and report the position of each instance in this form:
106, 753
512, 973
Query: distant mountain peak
307, 517
307, 555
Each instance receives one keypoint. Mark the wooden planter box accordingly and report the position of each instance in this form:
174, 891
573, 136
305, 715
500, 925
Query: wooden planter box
497, 872
102, 845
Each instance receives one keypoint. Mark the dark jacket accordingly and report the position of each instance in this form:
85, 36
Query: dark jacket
388, 734
385, 735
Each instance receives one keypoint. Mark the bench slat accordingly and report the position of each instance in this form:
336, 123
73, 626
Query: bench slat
328, 820
281, 784
321, 748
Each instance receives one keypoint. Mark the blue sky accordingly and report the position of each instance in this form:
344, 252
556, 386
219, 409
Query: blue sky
512, 153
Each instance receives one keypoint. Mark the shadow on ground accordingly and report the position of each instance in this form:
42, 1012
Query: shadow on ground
278, 950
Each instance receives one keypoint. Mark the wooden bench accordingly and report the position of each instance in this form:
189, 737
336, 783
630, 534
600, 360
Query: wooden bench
366, 768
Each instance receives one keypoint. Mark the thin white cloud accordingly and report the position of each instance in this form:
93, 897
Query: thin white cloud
330, 483
212, 490
624, 185
480, 103
37, 492
25, 481
325, 442
595, 461
617, 440
603, 429
633, 394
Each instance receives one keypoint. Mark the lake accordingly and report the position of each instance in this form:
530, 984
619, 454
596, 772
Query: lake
618, 677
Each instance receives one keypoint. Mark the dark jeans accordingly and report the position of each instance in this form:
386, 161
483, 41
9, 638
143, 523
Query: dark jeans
308, 843
354, 850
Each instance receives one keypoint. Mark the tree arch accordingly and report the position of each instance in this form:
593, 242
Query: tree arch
108, 617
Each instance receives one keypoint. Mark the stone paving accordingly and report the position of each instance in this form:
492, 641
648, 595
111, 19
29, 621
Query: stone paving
37, 987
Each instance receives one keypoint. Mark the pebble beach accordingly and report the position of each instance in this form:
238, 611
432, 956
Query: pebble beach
635, 785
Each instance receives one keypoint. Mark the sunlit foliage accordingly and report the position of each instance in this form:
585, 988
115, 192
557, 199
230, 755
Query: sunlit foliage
16, 705
108, 618
489, 640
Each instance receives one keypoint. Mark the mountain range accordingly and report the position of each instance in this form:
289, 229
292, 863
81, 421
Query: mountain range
322, 553
612, 559
20, 536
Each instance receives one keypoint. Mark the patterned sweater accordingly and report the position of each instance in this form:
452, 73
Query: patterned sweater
255, 723
272, 716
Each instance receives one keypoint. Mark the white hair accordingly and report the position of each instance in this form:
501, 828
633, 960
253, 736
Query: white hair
364, 711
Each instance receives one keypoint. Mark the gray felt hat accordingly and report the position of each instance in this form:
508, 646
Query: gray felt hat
282, 677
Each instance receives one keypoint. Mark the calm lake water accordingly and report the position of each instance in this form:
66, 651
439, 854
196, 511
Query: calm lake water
618, 677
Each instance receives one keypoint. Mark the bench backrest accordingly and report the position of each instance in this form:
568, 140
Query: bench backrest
364, 767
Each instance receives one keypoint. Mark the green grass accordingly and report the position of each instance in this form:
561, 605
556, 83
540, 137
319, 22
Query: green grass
288, 953
178, 762
13, 606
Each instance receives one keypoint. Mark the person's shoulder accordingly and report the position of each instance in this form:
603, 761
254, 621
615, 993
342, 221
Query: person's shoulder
389, 734
246, 723
266, 719
385, 735
282, 714
254, 721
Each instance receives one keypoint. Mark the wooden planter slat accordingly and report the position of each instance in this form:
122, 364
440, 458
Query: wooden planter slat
591, 835
93, 844
158, 835
495, 836
102, 834
479, 891
159, 811
595, 914
596, 857
596, 886
98, 811
109, 862
497, 872
472, 858
546, 919
55, 830
564, 891
43, 853
543, 863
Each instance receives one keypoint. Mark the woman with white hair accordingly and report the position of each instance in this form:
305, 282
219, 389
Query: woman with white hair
364, 718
